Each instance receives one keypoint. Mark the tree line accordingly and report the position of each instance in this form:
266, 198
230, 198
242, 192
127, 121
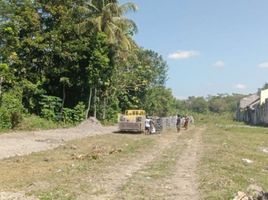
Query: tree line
66, 60
220, 103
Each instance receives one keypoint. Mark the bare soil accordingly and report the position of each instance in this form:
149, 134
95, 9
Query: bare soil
110, 182
184, 182
23, 143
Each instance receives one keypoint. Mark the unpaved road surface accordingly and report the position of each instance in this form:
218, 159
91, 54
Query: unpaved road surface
123, 179
119, 174
184, 182
22, 143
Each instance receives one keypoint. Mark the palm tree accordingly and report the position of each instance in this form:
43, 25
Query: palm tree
108, 17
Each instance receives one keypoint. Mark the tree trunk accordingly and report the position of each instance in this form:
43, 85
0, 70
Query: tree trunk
1, 81
95, 103
63, 98
89, 103
104, 108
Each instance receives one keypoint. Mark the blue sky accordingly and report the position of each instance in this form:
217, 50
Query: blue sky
211, 46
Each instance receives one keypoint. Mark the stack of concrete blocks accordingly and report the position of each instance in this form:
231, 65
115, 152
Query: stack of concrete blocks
164, 123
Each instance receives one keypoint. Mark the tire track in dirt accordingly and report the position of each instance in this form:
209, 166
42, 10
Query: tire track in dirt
183, 184
110, 182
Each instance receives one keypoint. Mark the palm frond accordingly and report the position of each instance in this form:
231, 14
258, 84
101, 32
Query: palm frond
127, 7
91, 5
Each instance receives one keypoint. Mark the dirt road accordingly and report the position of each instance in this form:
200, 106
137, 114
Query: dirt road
164, 170
22, 143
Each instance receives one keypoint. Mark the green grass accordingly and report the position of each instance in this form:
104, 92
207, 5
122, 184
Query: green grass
4, 131
33, 122
57, 193
223, 118
222, 172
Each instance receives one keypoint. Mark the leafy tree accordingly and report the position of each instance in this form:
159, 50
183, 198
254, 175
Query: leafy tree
4, 76
265, 86
61, 55
198, 104
180, 106
159, 101
145, 70
218, 105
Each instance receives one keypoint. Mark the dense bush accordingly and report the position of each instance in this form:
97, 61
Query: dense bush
75, 115
11, 109
51, 107
34, 122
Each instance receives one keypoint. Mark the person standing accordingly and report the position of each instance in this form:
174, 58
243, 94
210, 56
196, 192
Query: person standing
152, 127
178, 123
186, 123
147, 125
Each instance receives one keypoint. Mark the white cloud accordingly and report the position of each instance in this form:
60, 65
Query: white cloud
263, 65
240, 86
183, 54
219, 64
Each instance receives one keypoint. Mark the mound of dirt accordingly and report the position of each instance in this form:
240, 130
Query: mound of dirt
22, 143
90, 123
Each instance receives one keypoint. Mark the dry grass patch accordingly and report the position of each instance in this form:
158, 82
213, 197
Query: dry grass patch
226, 165
69, 170
152, 182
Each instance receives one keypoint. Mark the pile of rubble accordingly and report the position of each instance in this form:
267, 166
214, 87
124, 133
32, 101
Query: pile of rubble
254, 192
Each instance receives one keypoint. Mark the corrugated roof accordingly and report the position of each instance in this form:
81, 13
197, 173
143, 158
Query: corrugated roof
247, 101
255, 104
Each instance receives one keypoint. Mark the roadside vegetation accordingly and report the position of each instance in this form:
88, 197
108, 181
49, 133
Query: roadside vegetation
69, 60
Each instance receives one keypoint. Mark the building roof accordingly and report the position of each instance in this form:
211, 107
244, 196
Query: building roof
248, 100
255, 104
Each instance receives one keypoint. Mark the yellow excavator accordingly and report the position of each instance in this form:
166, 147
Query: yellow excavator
132, 121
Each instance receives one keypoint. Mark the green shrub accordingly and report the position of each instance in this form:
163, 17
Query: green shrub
11, 109
5, 122
68, 115
75, 115
16, 118
79, 112
51, 110
51, 107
